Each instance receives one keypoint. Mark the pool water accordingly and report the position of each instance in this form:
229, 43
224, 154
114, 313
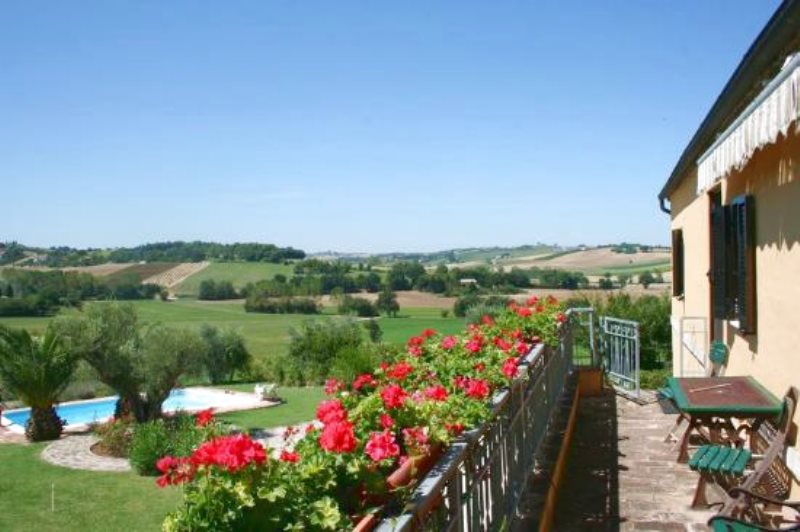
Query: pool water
98, 410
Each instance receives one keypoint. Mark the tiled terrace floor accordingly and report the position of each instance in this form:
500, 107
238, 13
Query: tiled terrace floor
620, 474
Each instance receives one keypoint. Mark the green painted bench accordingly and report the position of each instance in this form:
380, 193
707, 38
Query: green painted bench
759, 478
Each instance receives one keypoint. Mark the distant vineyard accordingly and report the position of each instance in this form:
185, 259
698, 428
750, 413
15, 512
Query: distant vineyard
144, 271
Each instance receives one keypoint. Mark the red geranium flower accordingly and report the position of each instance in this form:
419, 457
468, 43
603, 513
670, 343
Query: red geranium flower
436, 393
381, 445
415, 351
449, 342
331, 411
333, 386
231, 452
487, 320
393, 396
289, 456
364, 380
427, 333
476, 388
415, 340
510, 368
532, 301
174, 471
386, 421
204, 417
523, 348
523, 312
479, 367
338, 437
400, 371
561, 317
454, 428
502, 344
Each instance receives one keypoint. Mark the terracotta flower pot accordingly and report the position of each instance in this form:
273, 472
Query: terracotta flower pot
366, 523
415, 467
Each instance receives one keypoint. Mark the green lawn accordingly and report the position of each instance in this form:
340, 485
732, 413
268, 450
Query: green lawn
239, 273
84, 500
266, 334
300, 404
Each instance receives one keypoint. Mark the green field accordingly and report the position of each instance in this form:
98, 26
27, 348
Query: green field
266, 334
239, 273
84, 500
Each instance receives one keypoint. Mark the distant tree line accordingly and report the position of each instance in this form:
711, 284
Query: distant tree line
171, 252
11, 252
37, 293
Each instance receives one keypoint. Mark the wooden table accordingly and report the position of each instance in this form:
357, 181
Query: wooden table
712, 403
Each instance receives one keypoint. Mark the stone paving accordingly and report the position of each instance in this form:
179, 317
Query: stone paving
7, 436
75, 452
620, 475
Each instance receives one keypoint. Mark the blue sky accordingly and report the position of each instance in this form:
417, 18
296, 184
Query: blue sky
370, 126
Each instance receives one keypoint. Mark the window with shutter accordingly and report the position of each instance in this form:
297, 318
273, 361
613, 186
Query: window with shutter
677, 263
719, 259
742, 226
733, 273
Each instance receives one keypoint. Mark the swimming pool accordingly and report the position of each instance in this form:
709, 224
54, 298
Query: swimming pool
81, 413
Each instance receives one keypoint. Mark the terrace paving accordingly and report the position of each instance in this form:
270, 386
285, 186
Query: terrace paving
620, 475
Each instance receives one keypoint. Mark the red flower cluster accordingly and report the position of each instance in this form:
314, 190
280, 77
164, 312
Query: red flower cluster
331, 411
510, 368
475, 343
204, 417
364, 380
338, 437
449, 342
522, 348
289, 456
502, 344
381, 445
386, 421
400, 371
523, 312
174, 471
233, 453
561, 317
487, 320
475, 388
415, 351
333, 386
436, 393
427, 333
393, 396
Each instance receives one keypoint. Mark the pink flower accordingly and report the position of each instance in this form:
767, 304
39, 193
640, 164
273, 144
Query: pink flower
393, 396
331, 411
473, 346
449, 342
415, 351
338, 437
381, 445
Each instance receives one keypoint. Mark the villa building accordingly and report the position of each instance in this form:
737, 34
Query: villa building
734, 203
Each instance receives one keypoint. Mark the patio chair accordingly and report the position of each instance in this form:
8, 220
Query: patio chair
747, 512
718, 356
760, 469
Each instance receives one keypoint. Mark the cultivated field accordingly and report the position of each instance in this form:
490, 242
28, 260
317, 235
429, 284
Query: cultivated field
600, 260
178, 274
239, 273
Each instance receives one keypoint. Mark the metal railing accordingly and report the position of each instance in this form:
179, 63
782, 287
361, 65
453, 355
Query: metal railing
478, 482
620, 348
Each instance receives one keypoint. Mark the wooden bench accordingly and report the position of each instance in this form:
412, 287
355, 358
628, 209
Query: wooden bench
748, 475
748, 512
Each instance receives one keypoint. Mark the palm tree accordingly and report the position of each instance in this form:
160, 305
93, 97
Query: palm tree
36, 371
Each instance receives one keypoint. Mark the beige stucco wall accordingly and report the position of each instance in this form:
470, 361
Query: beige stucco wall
772, 176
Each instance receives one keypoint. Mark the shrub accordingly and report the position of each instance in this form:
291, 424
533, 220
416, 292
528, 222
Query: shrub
176, 435
374, 330
653, 379
317, 344
225, 353
358, 306
281, 305
216, 290
116, 436
351, 362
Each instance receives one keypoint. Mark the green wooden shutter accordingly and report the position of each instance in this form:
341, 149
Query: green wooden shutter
719, 261
743, 227
677, 262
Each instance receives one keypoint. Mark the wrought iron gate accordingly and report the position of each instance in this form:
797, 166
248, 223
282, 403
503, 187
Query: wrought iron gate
619, 346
